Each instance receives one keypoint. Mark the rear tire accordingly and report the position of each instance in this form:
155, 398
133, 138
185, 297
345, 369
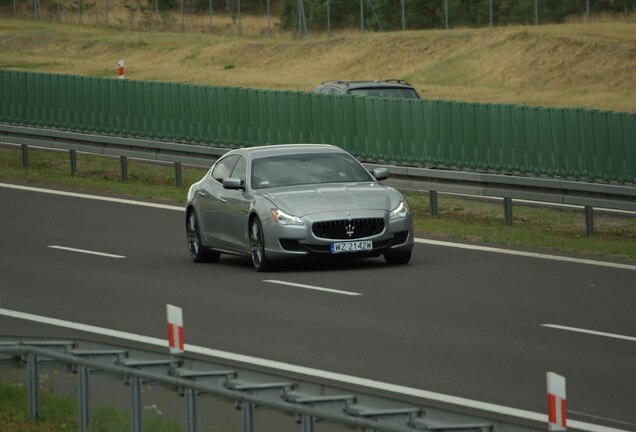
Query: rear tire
397, 258
198, 252
257, 245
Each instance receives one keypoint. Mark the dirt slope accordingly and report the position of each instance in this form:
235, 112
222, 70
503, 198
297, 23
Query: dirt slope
575, 65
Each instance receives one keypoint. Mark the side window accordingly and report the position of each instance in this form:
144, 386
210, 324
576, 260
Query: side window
224, 167
240, 170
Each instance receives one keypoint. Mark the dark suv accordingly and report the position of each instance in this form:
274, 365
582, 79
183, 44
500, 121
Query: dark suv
392, 88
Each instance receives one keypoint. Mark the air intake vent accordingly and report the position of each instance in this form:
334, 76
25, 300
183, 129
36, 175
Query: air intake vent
348, 229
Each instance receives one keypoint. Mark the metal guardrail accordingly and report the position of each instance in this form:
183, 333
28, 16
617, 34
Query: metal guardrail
508, 187
189, 377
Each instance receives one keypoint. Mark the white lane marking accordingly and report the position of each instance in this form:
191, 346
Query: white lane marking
417, 240
92, 197
527, 254
286, 367
590, 332
311, 287
579, 413
88, 252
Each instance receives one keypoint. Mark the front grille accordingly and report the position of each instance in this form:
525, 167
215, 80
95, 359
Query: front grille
348, 229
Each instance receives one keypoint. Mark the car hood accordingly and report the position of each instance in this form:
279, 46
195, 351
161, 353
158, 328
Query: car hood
304, 200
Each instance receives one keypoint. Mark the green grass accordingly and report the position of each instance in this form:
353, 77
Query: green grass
58, 414
463, 219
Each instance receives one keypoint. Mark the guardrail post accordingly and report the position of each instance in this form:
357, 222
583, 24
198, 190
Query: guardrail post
73, 159
83, 399
589, 220
191, 410
508, 210
177, 174
135, 408
432, 200
34, 387
248, 416
308, 423
25, 156
124, 167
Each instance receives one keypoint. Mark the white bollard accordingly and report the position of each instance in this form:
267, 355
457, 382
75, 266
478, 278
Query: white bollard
175, 329
556, 402
120, 69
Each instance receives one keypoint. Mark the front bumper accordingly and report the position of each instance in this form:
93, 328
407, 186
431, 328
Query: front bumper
293, 241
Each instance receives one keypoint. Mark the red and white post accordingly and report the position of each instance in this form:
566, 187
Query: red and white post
175, 329
120, 69
556, 402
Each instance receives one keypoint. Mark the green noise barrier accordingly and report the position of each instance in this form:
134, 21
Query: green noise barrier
581, 144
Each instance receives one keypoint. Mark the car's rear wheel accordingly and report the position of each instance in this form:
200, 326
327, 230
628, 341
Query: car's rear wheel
257, 244
198, 252
395, 258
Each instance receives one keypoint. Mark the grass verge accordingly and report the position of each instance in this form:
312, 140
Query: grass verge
58, 414
466, 219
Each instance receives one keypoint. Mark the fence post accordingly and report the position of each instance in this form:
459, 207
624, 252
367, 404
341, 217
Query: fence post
136, 407
25, 156
508, 210
328, 19
123, 161
34, 387
238, 16
248, 416
446, 14
589, 220
73, 160
308, 423
432, 201
191, 410
83, 399
178, 174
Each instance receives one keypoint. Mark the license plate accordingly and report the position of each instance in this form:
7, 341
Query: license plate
354, 246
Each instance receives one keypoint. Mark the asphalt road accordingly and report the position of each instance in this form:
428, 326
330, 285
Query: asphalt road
462, 322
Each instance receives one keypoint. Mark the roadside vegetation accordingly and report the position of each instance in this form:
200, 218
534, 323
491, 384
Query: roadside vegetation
569, 65
59, 414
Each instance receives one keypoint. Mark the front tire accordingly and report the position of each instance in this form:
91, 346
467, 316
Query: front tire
198, 252
257, 245
397, 258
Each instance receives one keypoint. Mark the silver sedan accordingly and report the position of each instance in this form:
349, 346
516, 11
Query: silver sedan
279, 202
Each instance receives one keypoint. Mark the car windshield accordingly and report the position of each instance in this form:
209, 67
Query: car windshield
306, 168
391, 92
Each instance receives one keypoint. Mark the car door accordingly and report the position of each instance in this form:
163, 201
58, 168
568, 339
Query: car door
237, 205
211, 202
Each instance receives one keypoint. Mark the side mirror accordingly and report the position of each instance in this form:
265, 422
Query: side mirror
232, 183
381, 173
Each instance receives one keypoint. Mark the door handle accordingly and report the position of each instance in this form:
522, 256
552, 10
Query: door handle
222, 199
201, 193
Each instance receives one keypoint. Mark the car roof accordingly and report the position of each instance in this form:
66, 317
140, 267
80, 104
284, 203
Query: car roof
282, 149
391, 83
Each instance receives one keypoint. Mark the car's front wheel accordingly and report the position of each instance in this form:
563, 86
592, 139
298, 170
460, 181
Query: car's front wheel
198, 252
257, 244
395, 258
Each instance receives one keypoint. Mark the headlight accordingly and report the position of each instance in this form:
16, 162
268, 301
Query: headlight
401, 211
283, 218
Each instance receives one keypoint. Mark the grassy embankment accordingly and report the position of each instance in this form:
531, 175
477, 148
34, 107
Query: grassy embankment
572, 65
59, 414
